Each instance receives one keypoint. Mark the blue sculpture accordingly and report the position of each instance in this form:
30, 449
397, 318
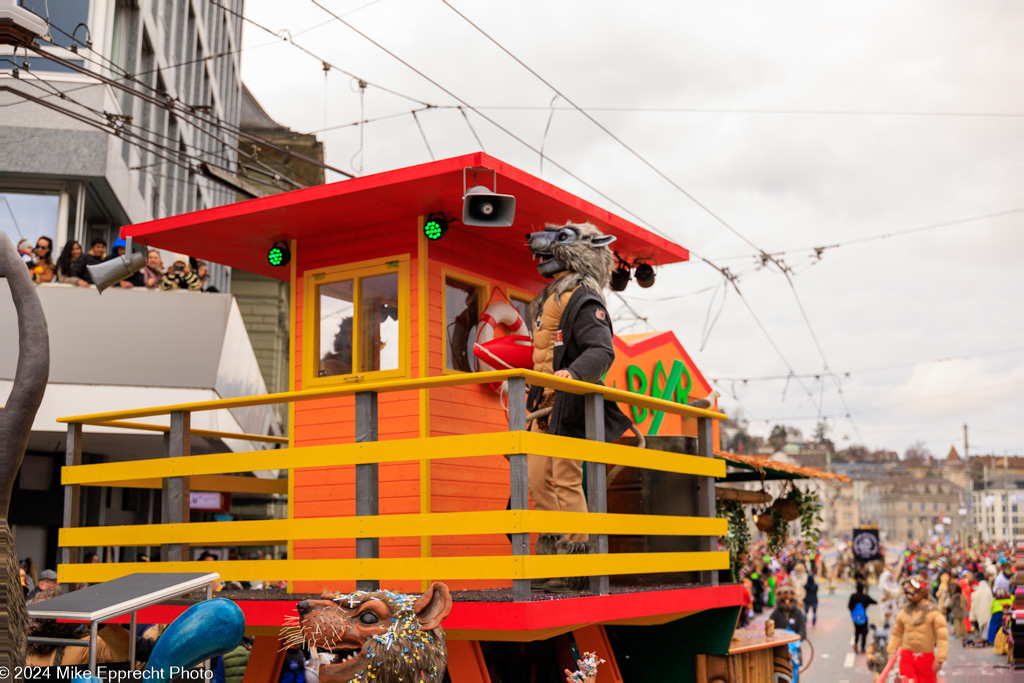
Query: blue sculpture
202, 631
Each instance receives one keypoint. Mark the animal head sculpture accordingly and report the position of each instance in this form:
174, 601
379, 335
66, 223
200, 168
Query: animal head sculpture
574, 247
379, 635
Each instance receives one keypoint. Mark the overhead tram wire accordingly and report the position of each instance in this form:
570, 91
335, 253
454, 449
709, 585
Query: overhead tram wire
725, 273
798, 112
162, 100
317, 57
860, 240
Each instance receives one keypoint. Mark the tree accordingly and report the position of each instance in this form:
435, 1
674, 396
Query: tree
916, 453
777, 439
15, 426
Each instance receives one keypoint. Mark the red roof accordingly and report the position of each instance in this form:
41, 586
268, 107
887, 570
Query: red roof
239, 234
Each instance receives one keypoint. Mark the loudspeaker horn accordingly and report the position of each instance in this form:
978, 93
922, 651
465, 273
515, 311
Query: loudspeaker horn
482, 207
112, 271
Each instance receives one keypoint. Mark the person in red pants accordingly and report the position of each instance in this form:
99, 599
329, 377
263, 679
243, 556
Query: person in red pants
919, 634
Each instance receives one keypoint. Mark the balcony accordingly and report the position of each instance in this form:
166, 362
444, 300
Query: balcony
178, 472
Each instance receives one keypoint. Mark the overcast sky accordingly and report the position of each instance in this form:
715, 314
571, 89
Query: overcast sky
811, 152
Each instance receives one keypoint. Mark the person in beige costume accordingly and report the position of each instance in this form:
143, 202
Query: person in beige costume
919, 635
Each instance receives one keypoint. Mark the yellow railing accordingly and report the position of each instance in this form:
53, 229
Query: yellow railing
204, 472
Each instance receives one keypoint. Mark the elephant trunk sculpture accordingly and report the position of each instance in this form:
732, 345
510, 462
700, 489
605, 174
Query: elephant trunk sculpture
15, 425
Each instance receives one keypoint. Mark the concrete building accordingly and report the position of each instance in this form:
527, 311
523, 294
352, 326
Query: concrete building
911, 508
996, 509
69, 178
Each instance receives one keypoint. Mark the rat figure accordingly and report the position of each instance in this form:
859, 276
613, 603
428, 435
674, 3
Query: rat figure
379, 635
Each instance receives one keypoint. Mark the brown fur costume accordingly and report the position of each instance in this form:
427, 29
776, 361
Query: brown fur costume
380, 636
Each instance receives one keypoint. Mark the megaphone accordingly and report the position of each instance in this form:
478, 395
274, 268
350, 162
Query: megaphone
112, 271
483, 206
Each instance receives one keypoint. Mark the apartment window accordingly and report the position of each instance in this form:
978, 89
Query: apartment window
910, 506
463, 301
922, 505
935, 507
357, 320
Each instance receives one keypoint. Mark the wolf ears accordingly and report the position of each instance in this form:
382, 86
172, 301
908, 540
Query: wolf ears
602, 241
433, 606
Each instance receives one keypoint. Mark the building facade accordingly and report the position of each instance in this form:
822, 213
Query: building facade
64, 173
914, 509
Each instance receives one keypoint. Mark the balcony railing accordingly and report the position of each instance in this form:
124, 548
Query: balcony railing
178, 472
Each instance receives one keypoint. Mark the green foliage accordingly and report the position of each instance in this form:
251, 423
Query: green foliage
810, 515
777, 536
739, 533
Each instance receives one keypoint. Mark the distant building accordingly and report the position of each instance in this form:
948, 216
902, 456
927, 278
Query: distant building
909, 508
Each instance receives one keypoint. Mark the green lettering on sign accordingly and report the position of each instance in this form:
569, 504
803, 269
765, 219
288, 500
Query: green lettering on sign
634, 372
665, 385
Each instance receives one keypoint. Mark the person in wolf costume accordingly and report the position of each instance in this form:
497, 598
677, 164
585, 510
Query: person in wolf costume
572, 338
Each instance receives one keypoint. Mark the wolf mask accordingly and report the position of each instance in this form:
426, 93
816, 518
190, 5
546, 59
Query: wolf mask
578, 249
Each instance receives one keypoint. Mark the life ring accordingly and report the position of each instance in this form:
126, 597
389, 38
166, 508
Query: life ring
508, 352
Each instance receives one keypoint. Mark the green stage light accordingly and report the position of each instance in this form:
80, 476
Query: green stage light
436, 226
279, 254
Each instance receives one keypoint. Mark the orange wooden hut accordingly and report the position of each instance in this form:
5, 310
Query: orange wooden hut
378, 308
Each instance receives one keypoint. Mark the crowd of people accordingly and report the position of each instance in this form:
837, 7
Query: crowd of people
931, 591
71, 266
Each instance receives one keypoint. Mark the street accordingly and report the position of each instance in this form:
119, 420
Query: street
834, 660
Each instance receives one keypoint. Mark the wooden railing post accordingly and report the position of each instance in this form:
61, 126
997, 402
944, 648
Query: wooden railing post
597, 486
367, 480
706, 492
518, 483
72, 492
174, 499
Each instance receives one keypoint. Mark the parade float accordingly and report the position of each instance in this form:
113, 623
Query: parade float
405, 463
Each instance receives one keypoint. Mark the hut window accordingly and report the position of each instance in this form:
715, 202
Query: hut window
461, 322
359, 322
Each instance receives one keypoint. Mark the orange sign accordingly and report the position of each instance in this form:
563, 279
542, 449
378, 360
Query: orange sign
656, 365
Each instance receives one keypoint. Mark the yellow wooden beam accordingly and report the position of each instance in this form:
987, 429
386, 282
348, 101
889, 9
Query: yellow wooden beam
221, 483
399, 450
616, 454
436, 524
209, 433
386, 386
410, 568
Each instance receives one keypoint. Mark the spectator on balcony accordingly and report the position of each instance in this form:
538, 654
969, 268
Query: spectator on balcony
25, 252
47, 581
66, 262
180, 276
45, 270
96, 254
203, 271
136, 280
153, 273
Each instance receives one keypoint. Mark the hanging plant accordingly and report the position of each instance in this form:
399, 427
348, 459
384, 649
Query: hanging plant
809, 505
778, 532
739, 534
788, 507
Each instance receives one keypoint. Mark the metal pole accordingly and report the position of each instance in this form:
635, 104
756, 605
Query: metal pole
706, 492
92, 647
131, 641
597, 486
518, 482
367, 480
72, 492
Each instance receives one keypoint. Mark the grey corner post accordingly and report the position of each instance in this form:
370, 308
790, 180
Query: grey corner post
72, 492
176, 490
93, 629
131, 640
367, 480
706, 492
518, 484
597, 486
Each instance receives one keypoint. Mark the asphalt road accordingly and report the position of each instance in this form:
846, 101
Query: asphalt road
835, 662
